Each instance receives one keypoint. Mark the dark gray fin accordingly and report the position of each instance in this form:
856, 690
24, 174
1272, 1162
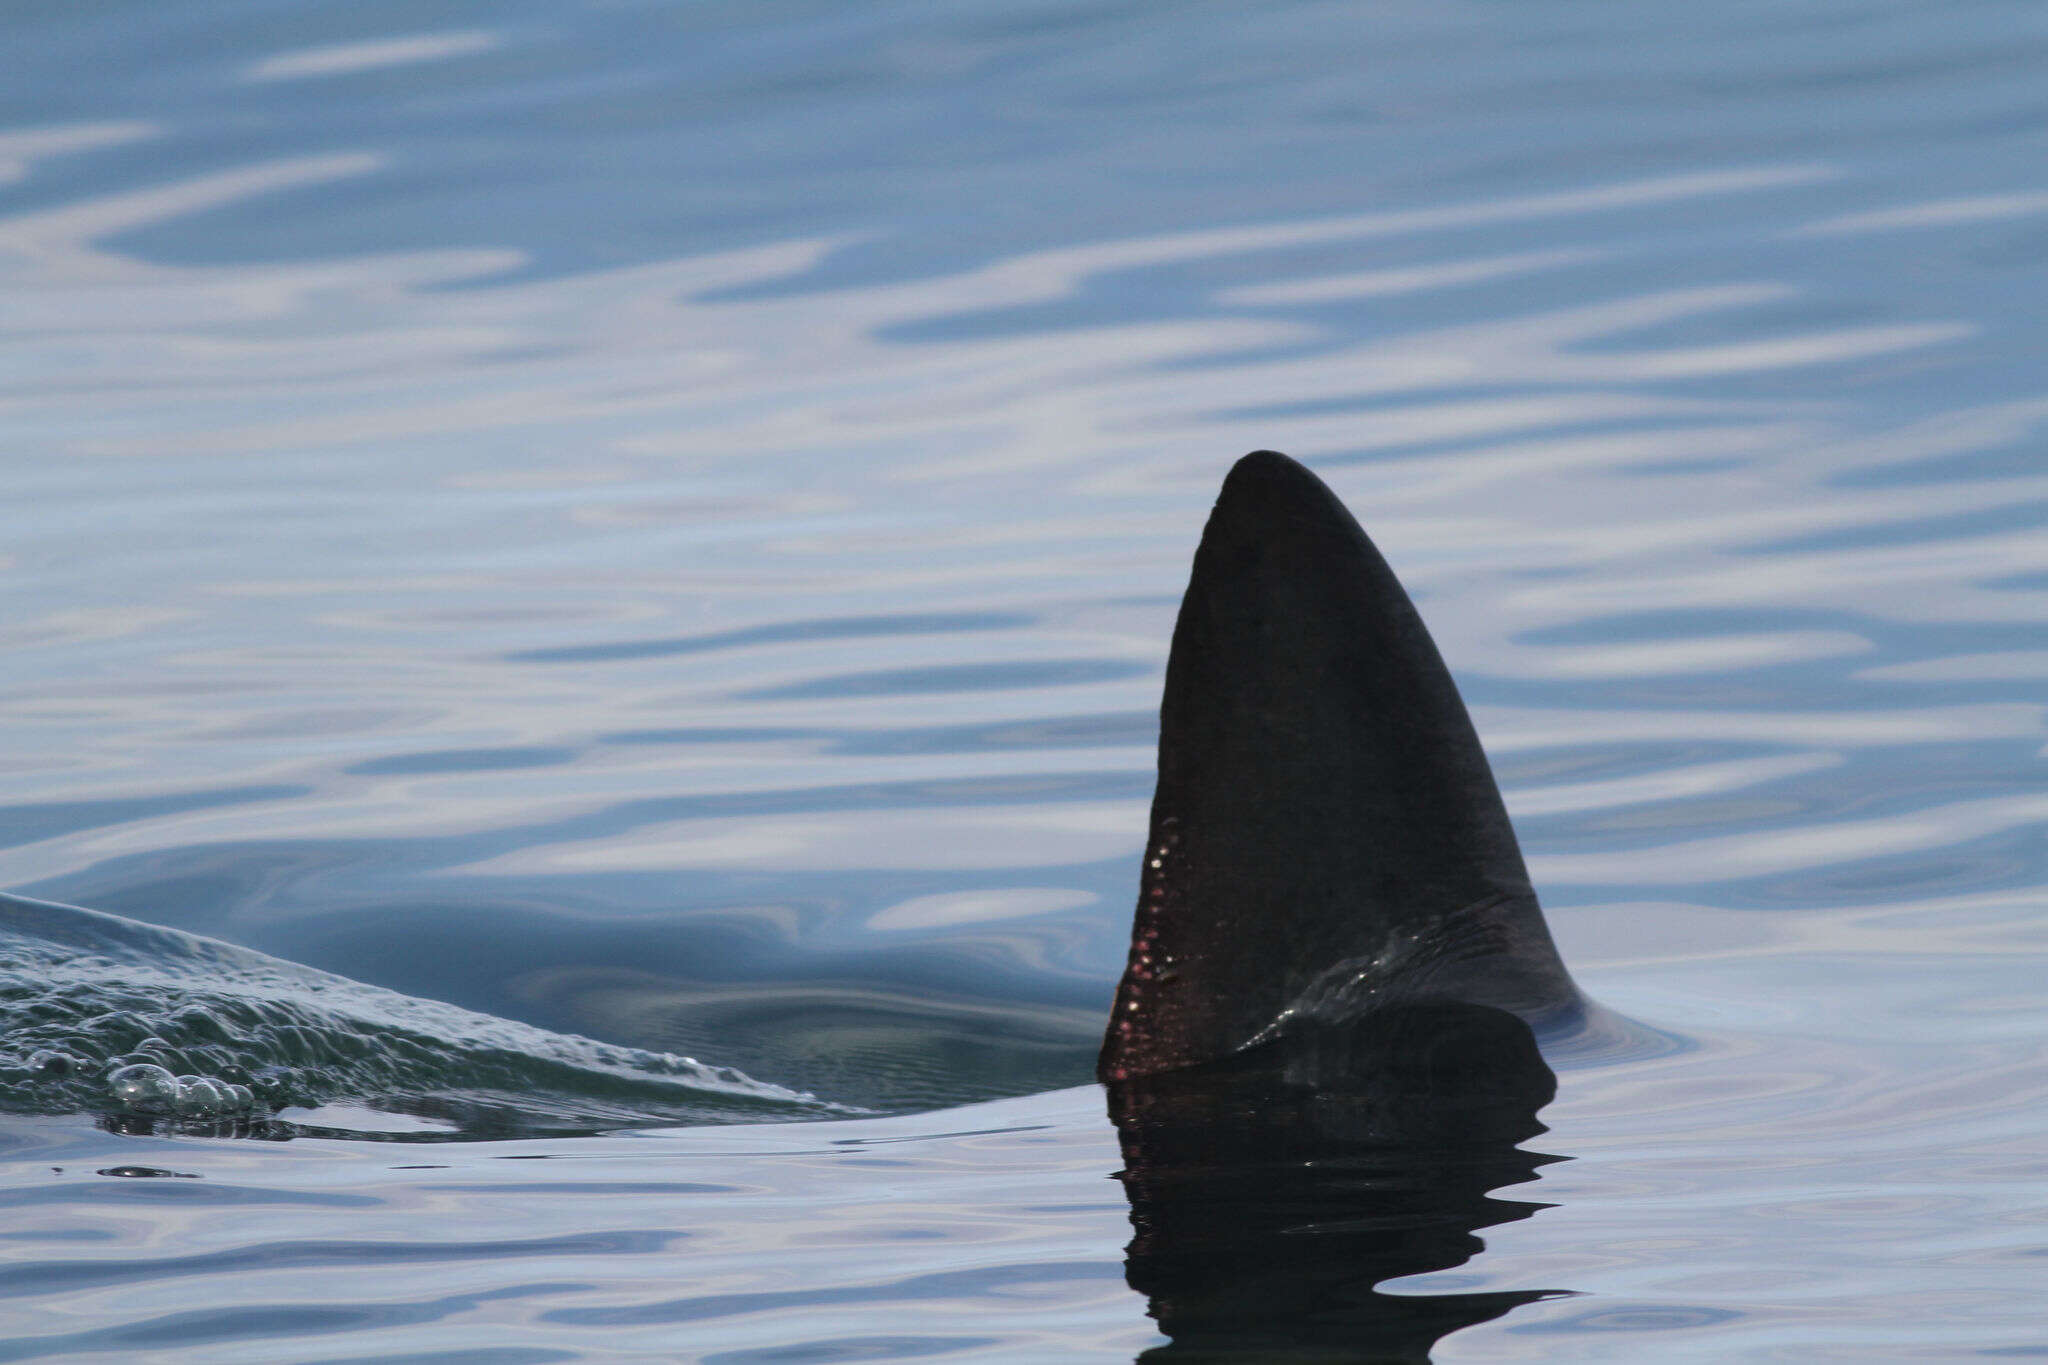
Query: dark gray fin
1327, 838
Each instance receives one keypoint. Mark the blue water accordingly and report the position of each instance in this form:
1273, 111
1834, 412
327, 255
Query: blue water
657, 527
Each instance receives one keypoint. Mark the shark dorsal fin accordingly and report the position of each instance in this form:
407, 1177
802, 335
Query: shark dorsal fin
1327, 837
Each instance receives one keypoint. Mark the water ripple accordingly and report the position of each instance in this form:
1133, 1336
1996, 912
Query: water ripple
659, 526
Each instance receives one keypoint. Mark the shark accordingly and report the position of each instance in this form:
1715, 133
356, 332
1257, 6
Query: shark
1326, 1057
1329, 1040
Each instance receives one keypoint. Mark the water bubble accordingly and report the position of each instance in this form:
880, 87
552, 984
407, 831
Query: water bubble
200, 1095
48, 1063
143, 1087
240, 1097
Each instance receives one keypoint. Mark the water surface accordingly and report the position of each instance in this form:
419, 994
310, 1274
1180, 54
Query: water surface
659, 528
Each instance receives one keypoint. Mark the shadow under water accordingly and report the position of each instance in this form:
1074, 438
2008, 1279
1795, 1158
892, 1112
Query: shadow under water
1273, 1194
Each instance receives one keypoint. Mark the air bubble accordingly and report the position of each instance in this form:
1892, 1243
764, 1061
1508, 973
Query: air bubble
143, 1087
198, 1095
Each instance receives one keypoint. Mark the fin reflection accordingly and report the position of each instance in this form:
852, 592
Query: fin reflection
1271, 1195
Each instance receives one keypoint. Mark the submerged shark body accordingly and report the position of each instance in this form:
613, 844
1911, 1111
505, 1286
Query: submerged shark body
1324, 1050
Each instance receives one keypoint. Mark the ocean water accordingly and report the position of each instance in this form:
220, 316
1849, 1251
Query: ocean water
585, 588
